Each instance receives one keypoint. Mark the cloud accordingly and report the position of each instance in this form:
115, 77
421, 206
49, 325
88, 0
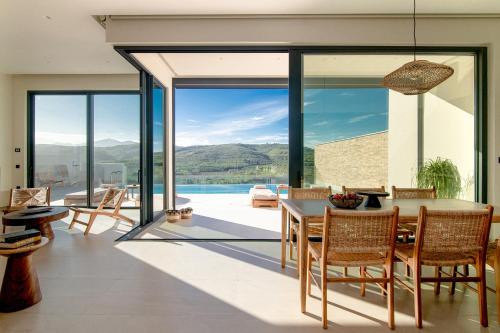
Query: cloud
192, 120
234, 124
277, 138
360, 118
309, 103
321, 123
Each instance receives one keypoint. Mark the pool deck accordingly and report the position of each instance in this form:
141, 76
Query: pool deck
218, 216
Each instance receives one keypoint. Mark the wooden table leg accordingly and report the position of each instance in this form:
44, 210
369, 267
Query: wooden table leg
303, 263
283, 236
20, 287
45, 230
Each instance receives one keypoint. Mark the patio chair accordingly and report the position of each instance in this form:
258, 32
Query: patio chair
315, 229
448, 238
356, 239
263, 197
346, 189
112, 199
21, 198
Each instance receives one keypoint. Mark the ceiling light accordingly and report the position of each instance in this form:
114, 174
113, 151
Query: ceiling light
418, 76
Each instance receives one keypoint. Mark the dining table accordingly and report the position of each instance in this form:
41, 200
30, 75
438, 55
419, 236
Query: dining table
312, 211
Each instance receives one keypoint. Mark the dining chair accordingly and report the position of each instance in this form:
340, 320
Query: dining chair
346, 189
355, 239
413, 193
493, 260
21, 198
447, 238
113, 198
315, 227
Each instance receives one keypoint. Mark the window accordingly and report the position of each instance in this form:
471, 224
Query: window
60, 154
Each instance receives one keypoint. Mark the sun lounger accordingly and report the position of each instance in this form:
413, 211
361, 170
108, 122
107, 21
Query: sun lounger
263, 197
80, 198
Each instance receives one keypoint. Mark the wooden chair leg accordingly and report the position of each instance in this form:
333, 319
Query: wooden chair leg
466, 273
362, 273
124, 218
453, 284
497, 284
309, 273
89, 225
298, 255
291, 233
389, 273
346, 272
324, 289
3, 229
417, 298
73, 221
481, 288
384, 275
437, 285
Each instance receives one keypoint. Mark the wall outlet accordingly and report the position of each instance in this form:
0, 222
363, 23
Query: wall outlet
17, 150
17, 166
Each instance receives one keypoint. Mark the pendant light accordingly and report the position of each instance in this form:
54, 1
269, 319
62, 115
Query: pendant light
418, 76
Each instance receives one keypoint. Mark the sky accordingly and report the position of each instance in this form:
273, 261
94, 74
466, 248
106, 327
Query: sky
62, 119
218, 116
341, 113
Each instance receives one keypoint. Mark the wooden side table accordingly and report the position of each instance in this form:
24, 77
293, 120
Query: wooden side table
39, 221
20, 287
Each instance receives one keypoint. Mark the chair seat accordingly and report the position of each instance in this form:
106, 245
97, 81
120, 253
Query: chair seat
404, 252
348, 259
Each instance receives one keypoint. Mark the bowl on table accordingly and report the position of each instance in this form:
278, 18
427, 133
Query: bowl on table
346, 200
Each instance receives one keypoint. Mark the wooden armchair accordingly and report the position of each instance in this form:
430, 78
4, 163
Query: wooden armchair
113, 198
21, 198
356, 239
315, 229
448, 238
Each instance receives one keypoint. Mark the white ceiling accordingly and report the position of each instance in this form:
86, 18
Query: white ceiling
60, 36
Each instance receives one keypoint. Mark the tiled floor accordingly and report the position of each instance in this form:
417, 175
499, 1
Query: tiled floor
93, 284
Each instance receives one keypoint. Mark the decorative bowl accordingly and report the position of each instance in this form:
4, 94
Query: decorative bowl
186, 213
173, 215
346, 201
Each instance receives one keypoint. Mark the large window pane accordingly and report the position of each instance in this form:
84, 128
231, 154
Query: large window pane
158, 149
60, 151
360, 134
116, 145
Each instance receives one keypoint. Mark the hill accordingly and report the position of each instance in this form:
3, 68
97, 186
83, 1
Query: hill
212, 164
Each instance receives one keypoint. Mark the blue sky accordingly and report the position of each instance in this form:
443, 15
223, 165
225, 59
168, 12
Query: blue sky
335, 114
217, 116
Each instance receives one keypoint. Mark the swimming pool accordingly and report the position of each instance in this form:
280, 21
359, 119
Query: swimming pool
213, 188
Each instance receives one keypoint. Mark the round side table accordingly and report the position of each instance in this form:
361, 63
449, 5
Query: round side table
20, 287
40, 221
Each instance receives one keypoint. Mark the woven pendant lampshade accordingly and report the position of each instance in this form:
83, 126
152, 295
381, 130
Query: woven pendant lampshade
418, 76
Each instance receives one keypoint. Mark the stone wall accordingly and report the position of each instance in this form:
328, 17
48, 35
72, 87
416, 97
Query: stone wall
355, 162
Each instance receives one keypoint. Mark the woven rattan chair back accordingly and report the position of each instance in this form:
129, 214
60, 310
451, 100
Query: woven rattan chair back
112, 198
359, 232
315, 193
460, 232
23, 197
362, 189
413, 193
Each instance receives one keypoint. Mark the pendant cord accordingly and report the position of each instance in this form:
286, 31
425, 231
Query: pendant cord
414, 31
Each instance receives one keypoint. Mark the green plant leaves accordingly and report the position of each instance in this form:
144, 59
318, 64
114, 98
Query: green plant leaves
442, 174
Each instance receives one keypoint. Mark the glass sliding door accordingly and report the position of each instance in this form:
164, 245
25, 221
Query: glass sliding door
59, 151
359, 134
116, 146
159, 170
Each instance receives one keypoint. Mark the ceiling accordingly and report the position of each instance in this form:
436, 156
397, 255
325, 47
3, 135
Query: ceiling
61, 36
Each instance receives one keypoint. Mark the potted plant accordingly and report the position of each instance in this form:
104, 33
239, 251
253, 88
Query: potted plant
442, 174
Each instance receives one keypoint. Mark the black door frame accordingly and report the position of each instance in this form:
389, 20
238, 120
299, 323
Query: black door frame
296, 53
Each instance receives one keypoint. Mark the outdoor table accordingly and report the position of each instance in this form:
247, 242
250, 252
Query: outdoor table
306, 211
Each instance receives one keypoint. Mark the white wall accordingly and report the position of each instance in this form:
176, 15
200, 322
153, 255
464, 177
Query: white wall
22, 84
289, 30
402, 140
6, 148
